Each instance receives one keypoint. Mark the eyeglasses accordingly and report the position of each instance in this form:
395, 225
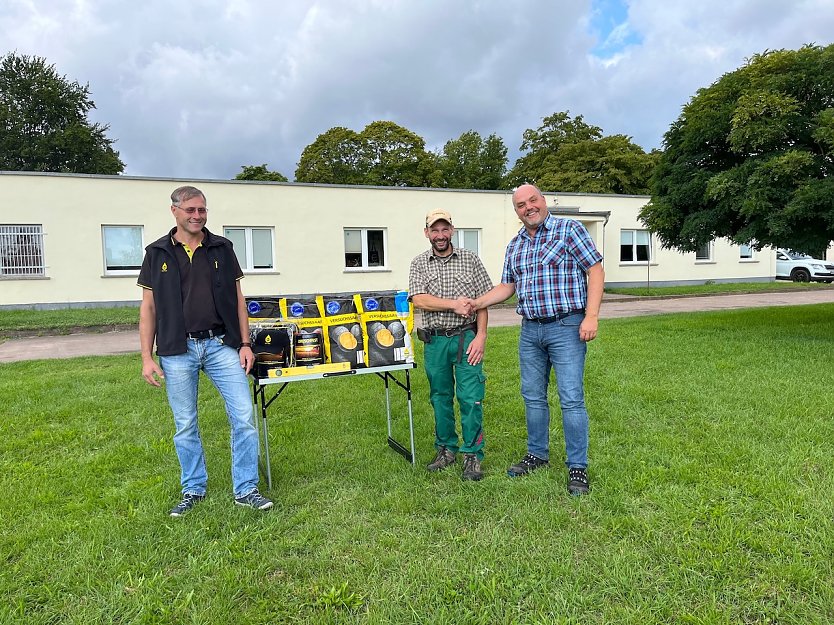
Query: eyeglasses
192, 210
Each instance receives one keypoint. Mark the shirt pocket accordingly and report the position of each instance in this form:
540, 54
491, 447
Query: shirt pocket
464, 285
553, 253
432, 285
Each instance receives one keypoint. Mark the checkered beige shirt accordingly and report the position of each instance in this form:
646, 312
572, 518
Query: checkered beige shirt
461, 274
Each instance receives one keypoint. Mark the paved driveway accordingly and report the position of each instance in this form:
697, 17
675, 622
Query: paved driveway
612, 307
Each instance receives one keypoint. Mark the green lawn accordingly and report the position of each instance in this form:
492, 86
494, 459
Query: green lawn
711, 471
65, 320
717, 288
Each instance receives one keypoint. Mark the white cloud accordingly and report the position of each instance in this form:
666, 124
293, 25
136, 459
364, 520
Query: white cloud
199, 89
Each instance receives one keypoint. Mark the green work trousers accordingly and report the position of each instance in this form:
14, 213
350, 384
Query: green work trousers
449, 378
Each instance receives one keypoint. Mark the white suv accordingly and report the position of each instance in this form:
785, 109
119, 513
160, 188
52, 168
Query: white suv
798, 267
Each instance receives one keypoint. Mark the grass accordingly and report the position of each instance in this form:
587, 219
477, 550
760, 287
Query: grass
709, 288
710, 467
66, 320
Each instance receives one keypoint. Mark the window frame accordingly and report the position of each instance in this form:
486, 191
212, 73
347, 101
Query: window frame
635, 245
746, 259
248, 264
710, 258
122, 272
456, 237
31, 270
365, 253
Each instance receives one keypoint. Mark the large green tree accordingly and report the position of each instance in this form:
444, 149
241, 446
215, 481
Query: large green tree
335, 157
260, 172
394, 156
567, 154
383, 154
751, 158
43, 122
472, 162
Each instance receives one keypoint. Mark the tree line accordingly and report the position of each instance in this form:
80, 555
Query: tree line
564, 153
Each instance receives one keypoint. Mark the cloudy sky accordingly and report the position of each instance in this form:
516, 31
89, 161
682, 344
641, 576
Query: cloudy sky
197, 89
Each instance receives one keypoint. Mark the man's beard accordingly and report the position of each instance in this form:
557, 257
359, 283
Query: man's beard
445, 248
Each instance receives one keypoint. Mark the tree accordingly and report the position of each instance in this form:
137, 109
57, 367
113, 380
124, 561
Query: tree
543, 142
394, 156
470, 162
335, 157
259, 172
612, 164
383, 154
566, 154
44, 125
751, 158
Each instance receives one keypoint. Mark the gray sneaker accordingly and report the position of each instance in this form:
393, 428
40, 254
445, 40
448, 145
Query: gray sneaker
472, 468
578, 483
443, 459
527, 464
254, 500
189, 500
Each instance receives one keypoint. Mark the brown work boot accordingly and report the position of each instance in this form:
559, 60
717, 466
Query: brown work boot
472, 468
443, 459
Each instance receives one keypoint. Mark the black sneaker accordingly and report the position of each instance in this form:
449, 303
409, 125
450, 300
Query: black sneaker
188, 501
578, 483
254, 500
527, 464
443, 459
472, 468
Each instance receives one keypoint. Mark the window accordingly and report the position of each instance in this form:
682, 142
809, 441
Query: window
745, 252
635, 246
468, 240
21, 251
704, 253
365, 248
253, 247
122, 249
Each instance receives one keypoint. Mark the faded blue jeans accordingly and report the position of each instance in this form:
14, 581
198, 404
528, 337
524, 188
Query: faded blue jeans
556, 345
221, 364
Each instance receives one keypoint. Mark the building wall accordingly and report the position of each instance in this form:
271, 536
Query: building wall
309, 223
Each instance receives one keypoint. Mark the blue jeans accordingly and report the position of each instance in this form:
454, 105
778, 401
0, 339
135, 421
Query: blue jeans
221, 364
556, 345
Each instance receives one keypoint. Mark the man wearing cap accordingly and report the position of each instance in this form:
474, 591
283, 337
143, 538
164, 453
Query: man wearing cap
193, 308
556, 271
442, 281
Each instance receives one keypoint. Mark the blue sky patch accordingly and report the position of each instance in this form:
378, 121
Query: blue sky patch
609, 24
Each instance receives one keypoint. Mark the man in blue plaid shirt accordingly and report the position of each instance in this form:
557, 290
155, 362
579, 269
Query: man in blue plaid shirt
555, 269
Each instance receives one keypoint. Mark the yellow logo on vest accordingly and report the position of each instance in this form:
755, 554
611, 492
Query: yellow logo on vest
164, 267
268, 339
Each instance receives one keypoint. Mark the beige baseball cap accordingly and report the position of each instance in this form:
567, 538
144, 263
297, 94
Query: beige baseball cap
436, 215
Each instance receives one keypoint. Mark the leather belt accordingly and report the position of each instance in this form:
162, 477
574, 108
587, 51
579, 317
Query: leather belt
558, 317
206, 334
450, 332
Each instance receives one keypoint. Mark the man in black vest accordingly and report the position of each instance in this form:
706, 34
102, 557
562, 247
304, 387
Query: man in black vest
193, 308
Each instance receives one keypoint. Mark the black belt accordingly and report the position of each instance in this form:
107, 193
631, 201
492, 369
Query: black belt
559, 317
450, 332
206, 334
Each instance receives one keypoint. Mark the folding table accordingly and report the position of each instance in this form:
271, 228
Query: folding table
386, 373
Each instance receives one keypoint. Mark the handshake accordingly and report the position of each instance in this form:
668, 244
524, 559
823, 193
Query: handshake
466, 306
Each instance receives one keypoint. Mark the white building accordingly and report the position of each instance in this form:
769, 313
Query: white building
71, 240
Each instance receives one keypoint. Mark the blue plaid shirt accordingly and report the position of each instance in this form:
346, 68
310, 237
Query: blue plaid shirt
549, 269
